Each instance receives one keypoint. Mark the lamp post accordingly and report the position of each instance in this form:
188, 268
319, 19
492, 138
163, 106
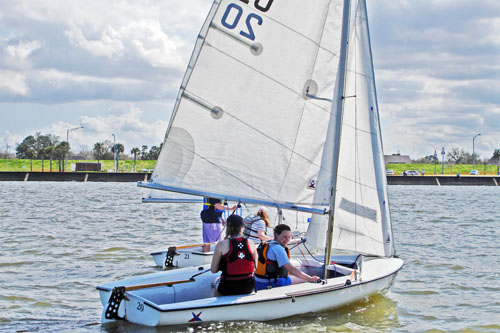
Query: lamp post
67, 139
473, 153
114, 150
7, 153
442, 160
435, 160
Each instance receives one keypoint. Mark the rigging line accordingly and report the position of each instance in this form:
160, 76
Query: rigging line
360, 129
305, 247
368, 76
359, 183
307, 261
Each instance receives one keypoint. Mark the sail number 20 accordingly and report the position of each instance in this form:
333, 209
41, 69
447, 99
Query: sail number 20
233, 13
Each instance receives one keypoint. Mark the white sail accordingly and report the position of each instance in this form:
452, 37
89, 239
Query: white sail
362, 218
253, 110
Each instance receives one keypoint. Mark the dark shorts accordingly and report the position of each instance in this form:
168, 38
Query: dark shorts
236, 287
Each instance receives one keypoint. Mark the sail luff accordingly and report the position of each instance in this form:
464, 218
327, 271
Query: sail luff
378, 146
362, 216
338, 104
192, 61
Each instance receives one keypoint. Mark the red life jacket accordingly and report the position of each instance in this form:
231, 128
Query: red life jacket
238, 263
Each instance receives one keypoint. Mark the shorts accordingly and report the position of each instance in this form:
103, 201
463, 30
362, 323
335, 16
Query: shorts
236, 287
279, 282
212, 232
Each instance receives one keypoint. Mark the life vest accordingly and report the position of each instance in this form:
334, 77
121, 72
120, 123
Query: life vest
267, 268
250, 232
210, 214
238, 263
207, 204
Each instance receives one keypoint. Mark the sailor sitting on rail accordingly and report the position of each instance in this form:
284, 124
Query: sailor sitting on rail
274, 264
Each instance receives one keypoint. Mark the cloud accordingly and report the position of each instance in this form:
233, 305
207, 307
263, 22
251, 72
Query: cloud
22, 50
110, 44
13, 83
9, 141
125, 120
438, 74
144, 39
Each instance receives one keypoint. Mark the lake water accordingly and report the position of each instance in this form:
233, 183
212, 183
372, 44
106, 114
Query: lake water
60, 240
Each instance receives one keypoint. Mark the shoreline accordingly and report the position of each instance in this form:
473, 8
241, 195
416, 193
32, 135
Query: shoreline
437, 180
75, 176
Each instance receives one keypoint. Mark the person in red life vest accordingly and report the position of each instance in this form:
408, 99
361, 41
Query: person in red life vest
236, 257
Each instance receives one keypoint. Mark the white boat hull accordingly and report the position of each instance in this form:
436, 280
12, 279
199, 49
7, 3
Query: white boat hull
156, 306
191, 256
184, 257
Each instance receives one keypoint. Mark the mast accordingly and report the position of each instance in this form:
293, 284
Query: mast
339, 107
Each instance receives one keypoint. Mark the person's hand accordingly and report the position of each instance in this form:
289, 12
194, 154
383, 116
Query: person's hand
322, 281
313, 279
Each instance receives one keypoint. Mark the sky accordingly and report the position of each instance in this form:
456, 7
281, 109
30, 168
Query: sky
115, 67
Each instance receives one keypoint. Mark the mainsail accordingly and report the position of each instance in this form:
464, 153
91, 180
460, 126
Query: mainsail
361, 217
253, 110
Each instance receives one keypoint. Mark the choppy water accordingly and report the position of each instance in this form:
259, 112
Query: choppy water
60, 240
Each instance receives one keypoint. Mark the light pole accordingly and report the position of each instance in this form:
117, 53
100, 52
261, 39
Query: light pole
7, 153
442, 160
435, 161
114, 150
67, 140
473, 153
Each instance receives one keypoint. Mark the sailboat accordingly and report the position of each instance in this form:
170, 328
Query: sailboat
185, 255
275, 99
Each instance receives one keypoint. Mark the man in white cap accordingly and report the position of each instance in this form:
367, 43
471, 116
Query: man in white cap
256, 226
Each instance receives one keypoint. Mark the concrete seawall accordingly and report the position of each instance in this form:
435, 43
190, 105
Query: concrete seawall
135, 177
74, 176
444, 180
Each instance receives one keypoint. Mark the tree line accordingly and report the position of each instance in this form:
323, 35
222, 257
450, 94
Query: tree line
50, 147
460, 156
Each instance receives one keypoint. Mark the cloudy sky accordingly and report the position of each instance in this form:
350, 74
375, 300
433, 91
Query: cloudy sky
115, 66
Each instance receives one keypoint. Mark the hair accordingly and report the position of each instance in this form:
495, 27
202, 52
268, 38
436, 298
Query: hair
234, 225
280, 228
263, 215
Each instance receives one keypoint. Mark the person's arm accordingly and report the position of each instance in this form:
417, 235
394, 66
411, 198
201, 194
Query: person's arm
219, 206
299, 274
214, 267
251, 245
263, 236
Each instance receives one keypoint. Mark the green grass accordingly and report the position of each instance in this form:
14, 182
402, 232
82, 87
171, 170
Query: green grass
127, 166
449, 169
25, 165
